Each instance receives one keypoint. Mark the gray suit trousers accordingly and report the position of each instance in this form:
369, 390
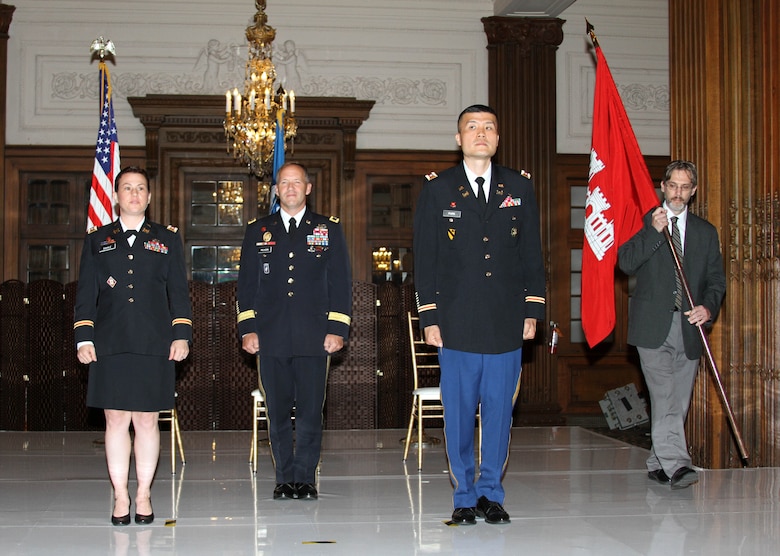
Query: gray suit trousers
669, 375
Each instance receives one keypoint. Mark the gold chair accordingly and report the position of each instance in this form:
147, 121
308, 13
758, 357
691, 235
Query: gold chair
258, 414
426, 402
170, 416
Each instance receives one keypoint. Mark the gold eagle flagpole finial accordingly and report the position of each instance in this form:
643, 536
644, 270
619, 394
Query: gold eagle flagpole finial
102, 48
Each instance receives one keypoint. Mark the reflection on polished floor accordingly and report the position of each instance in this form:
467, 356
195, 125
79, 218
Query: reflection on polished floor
569, 492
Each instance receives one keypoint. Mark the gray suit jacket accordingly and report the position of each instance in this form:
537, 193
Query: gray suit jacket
647, 255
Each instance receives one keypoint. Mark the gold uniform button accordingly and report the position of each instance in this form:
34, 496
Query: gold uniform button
488, 274
130, 286
130, 256
291, 267
291, 255
485, 239
131, 300
130, 271
290, 280
290, 294
487, 256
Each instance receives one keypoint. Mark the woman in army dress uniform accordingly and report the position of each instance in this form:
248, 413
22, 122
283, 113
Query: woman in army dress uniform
133, 321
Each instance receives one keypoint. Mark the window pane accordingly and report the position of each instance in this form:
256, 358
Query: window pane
204, 215
229, 258
204, 192
204, 257
230, 215
227, 276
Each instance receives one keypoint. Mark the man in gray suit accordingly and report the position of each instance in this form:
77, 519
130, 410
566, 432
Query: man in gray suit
662, 325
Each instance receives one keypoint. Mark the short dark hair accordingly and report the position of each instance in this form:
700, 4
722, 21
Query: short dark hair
685, 166
475, 108
130, 170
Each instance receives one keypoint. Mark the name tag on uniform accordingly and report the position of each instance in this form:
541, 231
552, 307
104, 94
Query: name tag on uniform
265, 247
451, 213
105, 247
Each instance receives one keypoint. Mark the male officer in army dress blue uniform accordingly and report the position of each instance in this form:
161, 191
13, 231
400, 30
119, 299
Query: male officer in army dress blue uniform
294, 308
480, 284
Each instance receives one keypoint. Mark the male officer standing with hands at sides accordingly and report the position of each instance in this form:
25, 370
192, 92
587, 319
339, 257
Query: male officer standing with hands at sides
480, 284
294, 309
662, 325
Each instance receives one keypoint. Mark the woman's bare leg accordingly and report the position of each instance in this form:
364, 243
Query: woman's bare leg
118, 447
147, 453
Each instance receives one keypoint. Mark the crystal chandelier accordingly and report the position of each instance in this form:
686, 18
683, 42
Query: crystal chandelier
258, 121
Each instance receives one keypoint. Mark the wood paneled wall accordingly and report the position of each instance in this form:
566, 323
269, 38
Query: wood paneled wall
724, 77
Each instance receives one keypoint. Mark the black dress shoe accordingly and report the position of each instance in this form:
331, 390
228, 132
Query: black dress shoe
684, 477
491, 512
284, 491
142, 519
124, 520
659, 476
464, 516
306, 491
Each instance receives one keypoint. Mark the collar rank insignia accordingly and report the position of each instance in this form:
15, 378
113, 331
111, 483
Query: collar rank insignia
525, 174
432, 176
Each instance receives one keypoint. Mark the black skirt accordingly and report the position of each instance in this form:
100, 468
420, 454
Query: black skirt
132, 382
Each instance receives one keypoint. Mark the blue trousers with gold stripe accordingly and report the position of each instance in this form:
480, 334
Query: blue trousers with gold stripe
468, 379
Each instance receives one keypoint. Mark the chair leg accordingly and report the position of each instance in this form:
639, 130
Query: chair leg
178, 436
409, 431
173, 445
253, 452
419, 435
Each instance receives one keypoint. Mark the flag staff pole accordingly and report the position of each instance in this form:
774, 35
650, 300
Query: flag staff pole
702, 335
710, 359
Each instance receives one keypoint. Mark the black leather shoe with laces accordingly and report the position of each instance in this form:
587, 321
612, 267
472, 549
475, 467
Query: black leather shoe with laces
491, 512
464, 516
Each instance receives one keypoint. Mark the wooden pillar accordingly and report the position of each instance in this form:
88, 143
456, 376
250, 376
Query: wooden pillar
8, 230
521, 84
724, 79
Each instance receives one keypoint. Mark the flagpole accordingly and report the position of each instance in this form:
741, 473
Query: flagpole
705, 343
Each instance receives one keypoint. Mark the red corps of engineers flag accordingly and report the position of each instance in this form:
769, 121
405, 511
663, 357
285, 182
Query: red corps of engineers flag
101, 202
620, 192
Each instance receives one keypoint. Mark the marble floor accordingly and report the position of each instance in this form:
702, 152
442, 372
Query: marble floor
569, 492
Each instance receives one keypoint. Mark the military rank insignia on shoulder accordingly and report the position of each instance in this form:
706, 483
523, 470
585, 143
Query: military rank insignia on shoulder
92, 230
173, 229
334, 219
432, 176
252, 221
525, 174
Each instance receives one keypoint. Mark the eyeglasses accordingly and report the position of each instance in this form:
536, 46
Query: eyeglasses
684, 187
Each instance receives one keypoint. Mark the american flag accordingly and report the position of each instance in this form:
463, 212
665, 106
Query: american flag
101, 202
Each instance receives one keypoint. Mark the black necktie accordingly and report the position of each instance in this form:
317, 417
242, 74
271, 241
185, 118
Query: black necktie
291, 227
480, 191
677, 243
